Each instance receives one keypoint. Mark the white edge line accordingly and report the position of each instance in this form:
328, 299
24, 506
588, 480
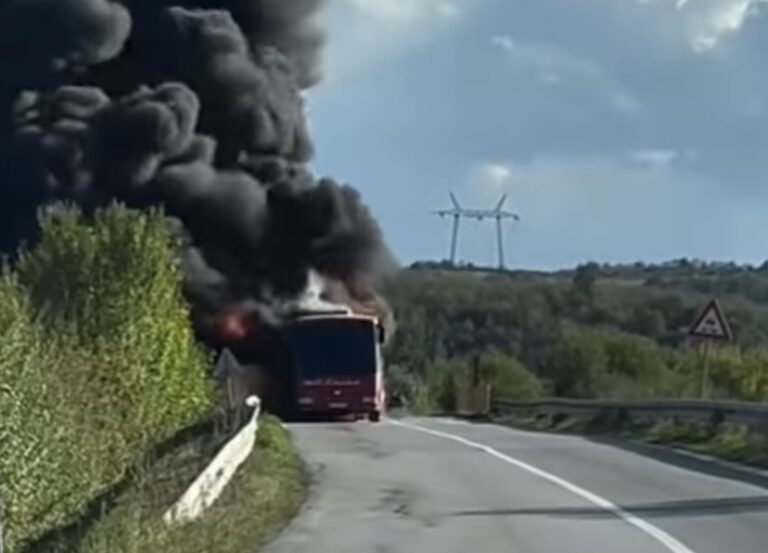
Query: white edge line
669, 542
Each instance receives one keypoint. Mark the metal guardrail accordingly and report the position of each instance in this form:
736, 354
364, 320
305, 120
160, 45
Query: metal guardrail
735, 412
209, 485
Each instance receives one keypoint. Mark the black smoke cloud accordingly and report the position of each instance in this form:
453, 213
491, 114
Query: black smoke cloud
194, 105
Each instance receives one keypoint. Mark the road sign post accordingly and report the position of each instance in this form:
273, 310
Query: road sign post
705, 371
229, 371
710, 326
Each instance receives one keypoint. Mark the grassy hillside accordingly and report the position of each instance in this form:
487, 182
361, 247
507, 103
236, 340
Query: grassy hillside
593, 331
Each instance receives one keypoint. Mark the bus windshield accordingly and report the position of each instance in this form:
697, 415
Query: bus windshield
333, 347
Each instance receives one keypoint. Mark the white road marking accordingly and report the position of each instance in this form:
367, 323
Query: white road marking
670, 543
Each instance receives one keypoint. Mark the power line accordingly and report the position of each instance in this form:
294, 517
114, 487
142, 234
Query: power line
457, 212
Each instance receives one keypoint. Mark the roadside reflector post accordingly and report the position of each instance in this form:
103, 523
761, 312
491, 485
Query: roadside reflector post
485, 399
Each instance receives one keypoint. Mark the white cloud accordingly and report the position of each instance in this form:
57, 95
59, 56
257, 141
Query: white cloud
552, 65
494, 174
654, 158
723, 19
490, 179
505, 42
546, 58
361, 33
405, 11
547, 61
448, 10
707, 23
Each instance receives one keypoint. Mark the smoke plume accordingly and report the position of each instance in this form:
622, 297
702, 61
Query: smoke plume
193, 105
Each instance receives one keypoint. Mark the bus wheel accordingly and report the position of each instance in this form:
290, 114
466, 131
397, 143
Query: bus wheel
374, 416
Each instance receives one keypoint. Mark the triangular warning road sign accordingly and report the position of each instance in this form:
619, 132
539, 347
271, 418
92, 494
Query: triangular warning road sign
226, 366
711, 324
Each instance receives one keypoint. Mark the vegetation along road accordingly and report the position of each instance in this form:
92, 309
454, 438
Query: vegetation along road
427, 485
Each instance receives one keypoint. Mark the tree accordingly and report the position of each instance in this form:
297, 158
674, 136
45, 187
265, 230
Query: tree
584, 280
577, 364
583, 285
648, 322
527, 315
114, 284
97, 362
637, 367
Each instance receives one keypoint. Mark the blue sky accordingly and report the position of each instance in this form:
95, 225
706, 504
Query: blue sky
622, 130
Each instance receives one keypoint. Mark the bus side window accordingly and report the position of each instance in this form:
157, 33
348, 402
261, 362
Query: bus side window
382, 333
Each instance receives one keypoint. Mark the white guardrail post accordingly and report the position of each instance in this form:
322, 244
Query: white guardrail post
209, 485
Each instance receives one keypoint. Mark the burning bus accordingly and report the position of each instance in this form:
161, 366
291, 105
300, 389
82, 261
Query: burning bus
337, 364
321, 358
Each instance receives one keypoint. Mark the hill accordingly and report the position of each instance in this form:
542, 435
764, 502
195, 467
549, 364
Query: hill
564, 323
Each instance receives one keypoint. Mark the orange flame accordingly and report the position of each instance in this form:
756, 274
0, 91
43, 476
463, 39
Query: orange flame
234, 326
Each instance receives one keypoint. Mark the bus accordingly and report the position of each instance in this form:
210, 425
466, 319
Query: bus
337, 364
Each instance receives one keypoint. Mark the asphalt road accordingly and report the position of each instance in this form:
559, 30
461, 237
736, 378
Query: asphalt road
443, 486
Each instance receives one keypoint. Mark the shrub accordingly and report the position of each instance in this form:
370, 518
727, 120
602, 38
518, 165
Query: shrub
608, 363
578, 363
115, 287
409, 390
97, 361
443, 381
449, 381
509, 378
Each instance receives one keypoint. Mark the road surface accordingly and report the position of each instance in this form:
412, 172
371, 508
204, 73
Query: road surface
444, 486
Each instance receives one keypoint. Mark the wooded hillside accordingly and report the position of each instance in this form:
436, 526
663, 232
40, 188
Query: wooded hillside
598, 330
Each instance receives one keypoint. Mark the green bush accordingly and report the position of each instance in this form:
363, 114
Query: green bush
115, 287
97, 362
578, 363
444, 378
611, 364
410, 389
739, 443
733, 372
509, 378
448, 381
272, 435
